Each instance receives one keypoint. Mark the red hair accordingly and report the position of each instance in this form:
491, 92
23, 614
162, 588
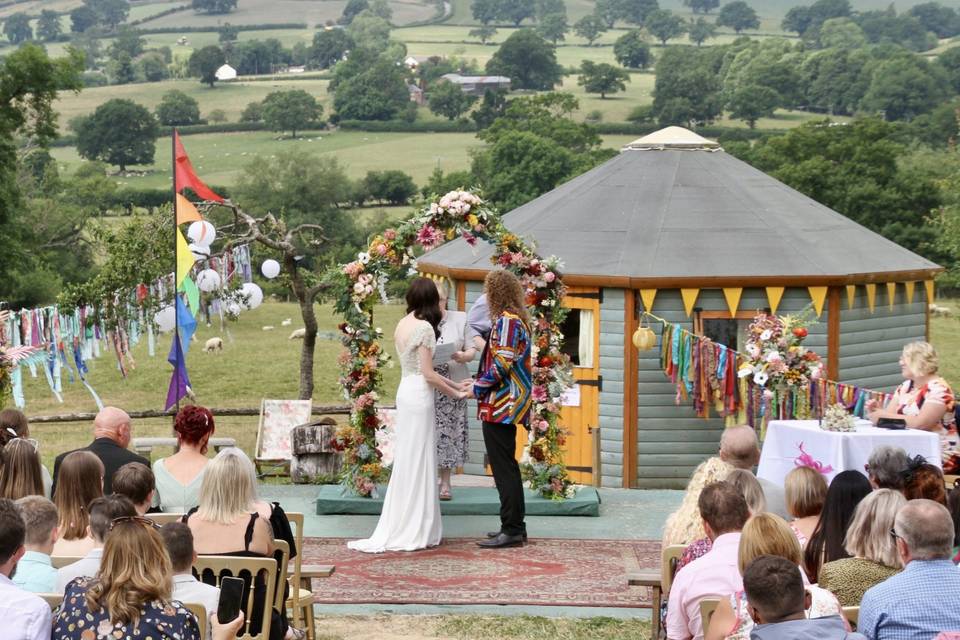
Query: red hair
194, 423
924, 481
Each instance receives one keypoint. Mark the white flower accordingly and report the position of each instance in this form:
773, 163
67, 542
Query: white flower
766, 335
434, 208
774, 356
753, 350
358, 288
744, 371
363, 257
760, 378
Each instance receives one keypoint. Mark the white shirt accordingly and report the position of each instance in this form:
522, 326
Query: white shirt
189, 590
85, 567
23, 615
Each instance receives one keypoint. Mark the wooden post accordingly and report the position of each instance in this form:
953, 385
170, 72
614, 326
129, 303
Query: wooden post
630, 366
833, 333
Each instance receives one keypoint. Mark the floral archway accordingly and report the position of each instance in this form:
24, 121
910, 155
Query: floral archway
362, 282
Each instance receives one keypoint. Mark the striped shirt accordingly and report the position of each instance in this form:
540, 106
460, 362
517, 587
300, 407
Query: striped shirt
916, 604
504, 385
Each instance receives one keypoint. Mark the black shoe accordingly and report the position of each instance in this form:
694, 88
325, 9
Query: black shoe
494, 534
500, 541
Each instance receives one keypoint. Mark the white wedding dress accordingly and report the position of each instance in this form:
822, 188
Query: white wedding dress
410, 518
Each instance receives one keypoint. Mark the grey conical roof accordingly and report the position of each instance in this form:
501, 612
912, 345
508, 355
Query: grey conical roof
674, 206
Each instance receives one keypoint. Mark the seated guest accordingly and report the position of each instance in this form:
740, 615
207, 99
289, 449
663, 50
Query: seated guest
924, 480
740, 448
872, 549
921, 600
13, 424
685, 525
35, 572
885, 467
131, 596
778, 605
187, 589
953, 504
724, 512
82, 474
23, 615
111, 433
805, 491
846, 491
103, 511
179, 476
135, 481
765, 535
20, 470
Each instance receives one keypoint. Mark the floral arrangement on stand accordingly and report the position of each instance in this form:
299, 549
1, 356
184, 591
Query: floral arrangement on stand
778, 367
361, 283
837, 418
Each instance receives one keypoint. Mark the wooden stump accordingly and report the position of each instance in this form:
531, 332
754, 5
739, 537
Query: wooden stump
313, 453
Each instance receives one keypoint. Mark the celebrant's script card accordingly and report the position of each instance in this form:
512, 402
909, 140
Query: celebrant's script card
444, 353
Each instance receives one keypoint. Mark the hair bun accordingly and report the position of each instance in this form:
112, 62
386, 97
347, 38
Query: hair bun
193, 422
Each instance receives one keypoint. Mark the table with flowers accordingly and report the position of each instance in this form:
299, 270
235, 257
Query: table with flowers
792, 443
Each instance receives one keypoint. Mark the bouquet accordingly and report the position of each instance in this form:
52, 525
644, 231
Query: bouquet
774, 353
837, 418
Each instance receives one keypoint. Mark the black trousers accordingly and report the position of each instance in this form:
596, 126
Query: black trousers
501, 442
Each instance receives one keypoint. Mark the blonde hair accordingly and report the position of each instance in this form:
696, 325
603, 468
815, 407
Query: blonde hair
134, 570
79, 482
805, 491
228, 489
921, 358
20, 474
868, 535
505, 293
685, 524
766, 534
749, 487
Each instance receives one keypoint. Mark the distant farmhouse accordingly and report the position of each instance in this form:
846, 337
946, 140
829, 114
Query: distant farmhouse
226, 72
413, 62
478, 85
416, 94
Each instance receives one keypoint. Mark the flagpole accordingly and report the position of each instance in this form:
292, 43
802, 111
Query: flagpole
173, 174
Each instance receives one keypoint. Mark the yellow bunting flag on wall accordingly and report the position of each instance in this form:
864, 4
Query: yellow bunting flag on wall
928, 285
871, 296
774, 294
851, 295
819, 296
908, 287
689, 299
891, 293
647, 296
732, 294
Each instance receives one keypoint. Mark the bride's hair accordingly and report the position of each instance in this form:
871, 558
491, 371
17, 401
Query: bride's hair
424, 301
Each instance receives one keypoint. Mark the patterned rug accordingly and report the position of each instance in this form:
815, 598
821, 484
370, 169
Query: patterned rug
547, 571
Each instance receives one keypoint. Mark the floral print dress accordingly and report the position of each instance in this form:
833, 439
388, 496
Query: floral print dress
453, 440
158, 620
909, 400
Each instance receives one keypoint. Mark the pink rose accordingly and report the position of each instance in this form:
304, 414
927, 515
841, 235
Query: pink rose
549, 276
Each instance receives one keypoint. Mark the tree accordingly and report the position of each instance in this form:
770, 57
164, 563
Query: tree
842, 33
447, 100
687, 88
602, 78
590, 27
381, 9
352, 9
752, 102
82, 18
17, 28
739, 16
609, 11
110, 13
290, 110
151, 67
520, 166
492, 106
216, 116
392, 186
516, 11
228, 33
547, 115
48, 26
637, 11
701, 30
329, 47
119, 132
214, 6
632, 51
205, 62
701, 6
904, 87
528, 60
798, 19
120, 69
949, 61
177, 109
806, 21
253, 112
937, 18
370, 31
128, 41
553, 27
485, 11
664, 25
484, 33
378, 93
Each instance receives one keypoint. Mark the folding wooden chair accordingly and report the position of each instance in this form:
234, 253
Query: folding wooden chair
201, 612
852, 614
707, 607
659, 582
52, 599
219, 567
164, 518
60, 562
277, 419
300, 601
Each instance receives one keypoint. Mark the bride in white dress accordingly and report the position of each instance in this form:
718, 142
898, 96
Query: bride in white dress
410, 518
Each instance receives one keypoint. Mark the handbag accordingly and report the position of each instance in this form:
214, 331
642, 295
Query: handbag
892, 423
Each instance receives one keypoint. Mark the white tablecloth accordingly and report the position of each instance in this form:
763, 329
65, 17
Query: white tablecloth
841, 451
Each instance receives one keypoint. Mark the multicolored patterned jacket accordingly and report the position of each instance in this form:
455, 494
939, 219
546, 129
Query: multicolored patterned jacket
504, 381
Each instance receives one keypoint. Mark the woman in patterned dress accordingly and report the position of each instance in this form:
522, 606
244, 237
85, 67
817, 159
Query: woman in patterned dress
453, 441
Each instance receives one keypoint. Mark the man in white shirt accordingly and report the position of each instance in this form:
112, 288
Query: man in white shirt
23, 615
178, 539
102, 513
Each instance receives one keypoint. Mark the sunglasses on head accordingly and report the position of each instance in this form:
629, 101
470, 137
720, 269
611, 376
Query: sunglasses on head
140, 519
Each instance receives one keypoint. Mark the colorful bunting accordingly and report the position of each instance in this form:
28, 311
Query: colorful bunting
186, 212
184, 175
689, 299
908, 288
185, 258
871, 296
818, 295
732, 295
851, 295
774, 294
928, 287
647, 296
891, 294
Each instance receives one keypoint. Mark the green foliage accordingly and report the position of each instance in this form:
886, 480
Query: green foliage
228, 33
547, 115
214, 6
253, 112
528, 60
176, 108
904, 87
151, 67
483, 33
739, 16
485, 11
205, 62
121, 69
516, 11
109, 13
806, 21
836, 80
602, 78
329, 47
119, 132
253, 57
949, 61
631, 11
701, 6
290, 110
82, 18
377, 93
48, 26
447, 100
701, 30
370, 31
352, 9
553, 27
665, 25
17, 28
492, 106
687, 89
842, 33
217, 116
632, 51
752, 102
941, 20
128, 41
590, 27
392, 186
440, 182
887, 27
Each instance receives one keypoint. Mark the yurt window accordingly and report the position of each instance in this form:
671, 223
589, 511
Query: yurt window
721, 328
578, 337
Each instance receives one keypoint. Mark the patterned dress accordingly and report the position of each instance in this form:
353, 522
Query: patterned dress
910, 400
453, 439
850, 578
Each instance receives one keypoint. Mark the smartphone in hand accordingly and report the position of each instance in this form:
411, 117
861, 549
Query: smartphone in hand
231, 595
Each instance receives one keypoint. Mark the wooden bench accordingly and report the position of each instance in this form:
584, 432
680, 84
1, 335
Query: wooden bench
144, 446
659, 581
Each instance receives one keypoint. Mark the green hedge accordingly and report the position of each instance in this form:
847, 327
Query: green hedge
193, 129
129, 198
160, 14
207, 29
402, 126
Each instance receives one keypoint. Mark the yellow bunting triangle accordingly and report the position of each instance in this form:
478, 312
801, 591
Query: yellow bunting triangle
851, 294
186, 212
908, 286
819, 296
185, 258
928, 286
891, 293
774, 294
732, 294
689, 299
871, 296
647, 296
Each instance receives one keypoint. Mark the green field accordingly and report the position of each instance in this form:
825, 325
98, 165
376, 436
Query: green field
316, 12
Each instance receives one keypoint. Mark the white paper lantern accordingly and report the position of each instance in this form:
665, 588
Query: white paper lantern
199, 251
270, 269
202, 233
208, 280
233, 309
166, 319
253, 293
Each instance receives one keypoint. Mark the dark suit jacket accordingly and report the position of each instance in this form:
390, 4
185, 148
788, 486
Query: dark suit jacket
112, 455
